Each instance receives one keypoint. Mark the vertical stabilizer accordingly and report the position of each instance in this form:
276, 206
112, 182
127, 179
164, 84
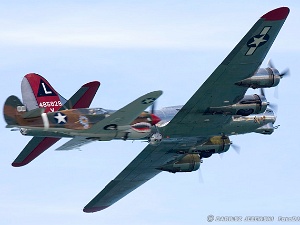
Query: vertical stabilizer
38, 93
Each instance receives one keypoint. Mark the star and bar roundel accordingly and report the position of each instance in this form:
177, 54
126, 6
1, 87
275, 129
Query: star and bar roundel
148, 100
258, 40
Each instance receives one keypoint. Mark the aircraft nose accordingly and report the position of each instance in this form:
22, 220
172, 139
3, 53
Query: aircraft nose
155, 119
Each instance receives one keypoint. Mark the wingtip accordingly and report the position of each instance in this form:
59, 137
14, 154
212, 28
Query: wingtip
15, 164
92, 84
19, 164
94, 209
277, 14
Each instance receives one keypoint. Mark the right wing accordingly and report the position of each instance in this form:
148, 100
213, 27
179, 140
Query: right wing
220, 88
37, 145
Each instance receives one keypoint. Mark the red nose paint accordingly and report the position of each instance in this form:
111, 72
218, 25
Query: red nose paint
155, 119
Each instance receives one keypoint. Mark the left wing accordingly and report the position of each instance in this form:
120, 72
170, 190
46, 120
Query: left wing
139, 171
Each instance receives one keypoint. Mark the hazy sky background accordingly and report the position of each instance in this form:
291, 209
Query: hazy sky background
134, 47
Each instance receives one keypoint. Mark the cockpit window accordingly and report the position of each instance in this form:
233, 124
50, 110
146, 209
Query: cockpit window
97, 111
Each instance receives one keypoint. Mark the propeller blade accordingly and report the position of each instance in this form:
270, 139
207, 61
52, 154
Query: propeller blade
262, 92
152, 108
273, 106
236, 148
285, 73
270, 64
221, 155
200, 177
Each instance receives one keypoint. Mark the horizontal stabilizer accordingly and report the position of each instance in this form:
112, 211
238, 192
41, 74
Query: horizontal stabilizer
33, 113
35, 147
83, 97
74, 143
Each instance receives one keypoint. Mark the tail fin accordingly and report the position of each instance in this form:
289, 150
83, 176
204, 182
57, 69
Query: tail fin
38, 93
13, 107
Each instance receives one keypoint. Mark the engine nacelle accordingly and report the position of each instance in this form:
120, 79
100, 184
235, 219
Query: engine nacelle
263, 78
189, 163
215, 144
250, 104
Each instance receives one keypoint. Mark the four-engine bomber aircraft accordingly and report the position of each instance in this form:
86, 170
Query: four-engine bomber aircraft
179, 137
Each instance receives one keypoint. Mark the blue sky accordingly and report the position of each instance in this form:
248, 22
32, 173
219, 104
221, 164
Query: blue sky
132, 48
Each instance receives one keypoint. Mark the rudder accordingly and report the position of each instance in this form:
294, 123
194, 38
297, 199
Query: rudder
38, 93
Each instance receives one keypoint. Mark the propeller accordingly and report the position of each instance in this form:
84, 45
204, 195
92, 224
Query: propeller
200, 176
236, 148
273, 106
154, 118
284, 73
153, 108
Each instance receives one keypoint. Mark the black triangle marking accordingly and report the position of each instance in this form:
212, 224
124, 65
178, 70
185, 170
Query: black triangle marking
45, 90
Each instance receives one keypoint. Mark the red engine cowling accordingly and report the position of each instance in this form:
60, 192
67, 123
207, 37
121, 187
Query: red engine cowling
189, 163
263, 78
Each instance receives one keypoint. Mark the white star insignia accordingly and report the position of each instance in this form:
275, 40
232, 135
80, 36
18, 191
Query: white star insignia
257, 41
60, 118
148, 100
